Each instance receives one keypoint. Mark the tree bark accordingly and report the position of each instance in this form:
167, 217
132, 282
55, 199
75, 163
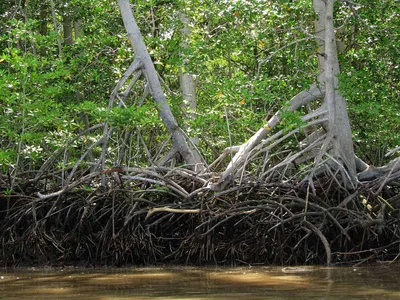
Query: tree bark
338, 124
67, 29
187, 80
245, 149
339, 138
53, 15
43, 19
77, 29
191, 156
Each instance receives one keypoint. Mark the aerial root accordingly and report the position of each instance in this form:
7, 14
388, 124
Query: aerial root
163, 215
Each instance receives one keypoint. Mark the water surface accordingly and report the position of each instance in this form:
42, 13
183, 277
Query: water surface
373, 282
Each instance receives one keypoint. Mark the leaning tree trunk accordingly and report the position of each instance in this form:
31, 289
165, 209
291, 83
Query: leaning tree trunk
180, 143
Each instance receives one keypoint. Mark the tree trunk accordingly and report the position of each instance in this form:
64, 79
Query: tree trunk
43, 20
53, 15
332, 114
77, 29
67, 27
187, 80
191, 156
338, 124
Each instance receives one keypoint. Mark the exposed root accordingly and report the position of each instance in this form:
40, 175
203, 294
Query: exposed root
162, 215
172, 210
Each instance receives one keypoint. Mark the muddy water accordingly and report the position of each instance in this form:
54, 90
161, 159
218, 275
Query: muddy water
373, 282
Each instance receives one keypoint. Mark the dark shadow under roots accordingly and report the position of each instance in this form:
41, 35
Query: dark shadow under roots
273, 224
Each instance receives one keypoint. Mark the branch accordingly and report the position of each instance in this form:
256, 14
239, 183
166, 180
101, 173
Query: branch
135, 65
280, 49
372, 172
173, 210
242, 155
71, 186
225, 153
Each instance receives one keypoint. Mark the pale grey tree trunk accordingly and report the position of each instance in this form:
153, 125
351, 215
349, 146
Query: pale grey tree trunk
53, 15
187, 80
77, 29
338, 124
333, 112
191, 156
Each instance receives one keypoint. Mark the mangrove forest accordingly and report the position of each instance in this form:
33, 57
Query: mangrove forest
199, 132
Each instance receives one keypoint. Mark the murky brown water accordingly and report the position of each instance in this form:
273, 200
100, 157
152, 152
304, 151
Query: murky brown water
373, 282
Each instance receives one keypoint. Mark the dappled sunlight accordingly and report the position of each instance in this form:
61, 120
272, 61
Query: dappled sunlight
261, 279
131, 279
201, 283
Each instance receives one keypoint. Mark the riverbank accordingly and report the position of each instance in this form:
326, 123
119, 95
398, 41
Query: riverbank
247, 224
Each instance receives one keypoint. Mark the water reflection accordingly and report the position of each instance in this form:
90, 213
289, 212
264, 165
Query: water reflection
376, 282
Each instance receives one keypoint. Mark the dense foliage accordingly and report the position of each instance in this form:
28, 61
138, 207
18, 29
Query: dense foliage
83, 174
249, 58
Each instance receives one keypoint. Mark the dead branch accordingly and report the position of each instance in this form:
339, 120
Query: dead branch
173, 210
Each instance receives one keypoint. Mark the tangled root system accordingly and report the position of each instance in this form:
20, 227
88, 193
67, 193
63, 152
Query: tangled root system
168, 216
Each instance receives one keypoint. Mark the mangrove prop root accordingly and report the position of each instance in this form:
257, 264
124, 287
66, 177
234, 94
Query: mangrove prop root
164, 215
